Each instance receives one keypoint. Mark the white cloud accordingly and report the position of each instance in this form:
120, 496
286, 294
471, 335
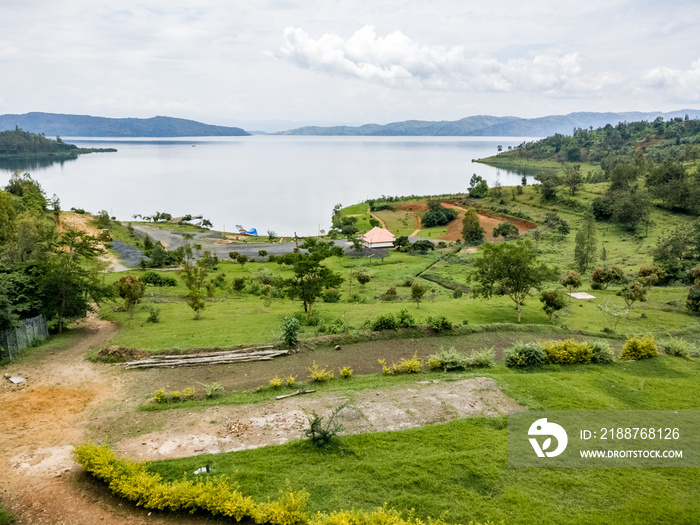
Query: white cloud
398, 61
677, 84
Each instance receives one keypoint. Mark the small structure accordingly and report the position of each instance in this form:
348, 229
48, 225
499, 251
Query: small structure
581, 295
378, 238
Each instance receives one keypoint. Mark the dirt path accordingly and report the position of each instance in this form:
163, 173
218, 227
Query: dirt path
381, 221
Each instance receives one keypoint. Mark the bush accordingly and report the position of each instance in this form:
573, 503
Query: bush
390, 294
385, 322
216, 496
601, 353
322, 432
290, 330
639, 348
188, 393
679, 348
346, 372
405, 366
153, 315
212, 390
331, 296
524, 355
337, 325
318, 374
438, 323
276, 382
290, 380
405, 319
453, 360
567, 352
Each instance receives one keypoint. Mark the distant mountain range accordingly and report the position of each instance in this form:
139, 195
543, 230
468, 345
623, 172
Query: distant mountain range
54, 124
485, 125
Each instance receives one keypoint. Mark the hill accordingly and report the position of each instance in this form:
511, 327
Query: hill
486, 125
24, 144
53, 124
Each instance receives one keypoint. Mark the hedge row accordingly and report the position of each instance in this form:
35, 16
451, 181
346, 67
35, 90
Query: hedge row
217, 496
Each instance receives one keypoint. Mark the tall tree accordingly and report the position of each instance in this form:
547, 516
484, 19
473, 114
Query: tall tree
573, 178
510, 269
472, 231
586, 248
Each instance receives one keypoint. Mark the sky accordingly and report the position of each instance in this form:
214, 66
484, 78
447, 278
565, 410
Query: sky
275, 64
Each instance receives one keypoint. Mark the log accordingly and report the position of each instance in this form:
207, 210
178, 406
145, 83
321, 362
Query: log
214, 354
194, 360
297, 393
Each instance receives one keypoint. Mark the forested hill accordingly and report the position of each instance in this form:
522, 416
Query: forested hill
486, 125
21, 144
53, 124
677, 139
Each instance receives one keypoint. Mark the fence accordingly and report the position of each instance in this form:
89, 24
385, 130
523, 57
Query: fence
13, 342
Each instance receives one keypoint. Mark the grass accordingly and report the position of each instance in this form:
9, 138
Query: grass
460, 468
398, 222
5, 517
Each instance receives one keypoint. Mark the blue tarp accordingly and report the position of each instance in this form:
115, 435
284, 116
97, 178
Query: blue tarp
252, 231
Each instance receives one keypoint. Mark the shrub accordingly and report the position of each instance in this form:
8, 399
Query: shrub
601, 353
453, 360
337, 325
156, 279
331, 296
385, 322
346, 372
290, 380
438, 323
405, 319
290, 330
212, 390
568, 351
639, 348
276, 382
459, 293
485, 358
405, 366
175, 395
318, 374
153, 315
678, 347
524, 355
189, 392
322, 431
390, 294
160, 395
216, 496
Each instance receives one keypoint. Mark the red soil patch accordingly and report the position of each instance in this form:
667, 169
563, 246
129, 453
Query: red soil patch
454, 228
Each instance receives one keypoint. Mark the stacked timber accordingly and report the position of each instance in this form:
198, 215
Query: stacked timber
242, 355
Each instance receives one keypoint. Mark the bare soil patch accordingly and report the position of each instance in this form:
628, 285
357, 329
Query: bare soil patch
226, 429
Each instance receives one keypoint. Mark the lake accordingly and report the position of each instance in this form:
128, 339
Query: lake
282, 183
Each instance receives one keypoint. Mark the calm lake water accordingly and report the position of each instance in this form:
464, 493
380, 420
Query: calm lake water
279, 183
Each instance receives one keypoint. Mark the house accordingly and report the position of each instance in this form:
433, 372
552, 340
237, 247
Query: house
378, 238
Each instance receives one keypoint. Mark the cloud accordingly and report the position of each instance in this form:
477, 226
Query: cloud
398, 61
677, 84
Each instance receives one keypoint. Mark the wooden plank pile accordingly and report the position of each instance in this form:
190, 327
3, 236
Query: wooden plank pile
242, 355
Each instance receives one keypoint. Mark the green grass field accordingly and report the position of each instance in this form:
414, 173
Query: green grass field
459, 469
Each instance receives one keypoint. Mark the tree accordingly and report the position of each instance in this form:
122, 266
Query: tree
311, 277
552, 301
548, 186
586, 244
573, 178
572, 281
363, 278
510, 269
271, 234
417, 293
66, 286
242, 259
632, 292
693, 300
131, 289
478, 187
506, 229
194, 275
401, 242
472, 231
